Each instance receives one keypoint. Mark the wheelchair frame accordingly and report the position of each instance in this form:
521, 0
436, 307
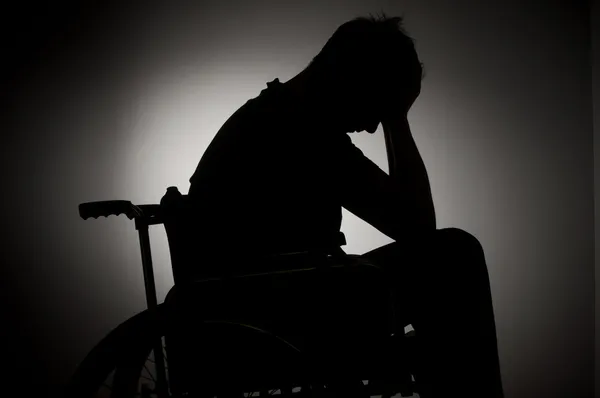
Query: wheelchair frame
144, 216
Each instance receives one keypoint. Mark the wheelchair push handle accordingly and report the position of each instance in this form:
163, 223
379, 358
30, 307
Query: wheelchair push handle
115, 208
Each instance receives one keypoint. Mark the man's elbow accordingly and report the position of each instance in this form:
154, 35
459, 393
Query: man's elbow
413, 223
429, 219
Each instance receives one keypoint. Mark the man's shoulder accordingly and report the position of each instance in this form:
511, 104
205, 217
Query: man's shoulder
267, 111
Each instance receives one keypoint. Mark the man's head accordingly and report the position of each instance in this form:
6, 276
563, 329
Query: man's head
366, 71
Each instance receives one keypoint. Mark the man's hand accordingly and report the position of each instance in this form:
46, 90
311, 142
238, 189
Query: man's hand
398, 98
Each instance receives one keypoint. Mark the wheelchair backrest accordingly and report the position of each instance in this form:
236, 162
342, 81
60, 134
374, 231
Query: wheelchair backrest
180, 222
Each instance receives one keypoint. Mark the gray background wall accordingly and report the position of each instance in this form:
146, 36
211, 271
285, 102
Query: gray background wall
124, 103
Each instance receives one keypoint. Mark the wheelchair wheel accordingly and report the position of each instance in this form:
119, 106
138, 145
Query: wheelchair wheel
236, 361
229, 359
102, 372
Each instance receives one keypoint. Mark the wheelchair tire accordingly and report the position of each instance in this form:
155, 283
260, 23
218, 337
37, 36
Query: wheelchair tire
124, 352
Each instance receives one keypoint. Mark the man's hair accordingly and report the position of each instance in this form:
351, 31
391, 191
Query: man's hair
370, 51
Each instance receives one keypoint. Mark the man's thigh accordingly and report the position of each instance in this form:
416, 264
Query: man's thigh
428, 270
425, 253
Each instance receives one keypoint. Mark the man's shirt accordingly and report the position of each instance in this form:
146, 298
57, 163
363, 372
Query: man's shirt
274, 178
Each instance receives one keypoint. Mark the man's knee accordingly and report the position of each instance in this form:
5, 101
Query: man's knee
466, 254
461, 240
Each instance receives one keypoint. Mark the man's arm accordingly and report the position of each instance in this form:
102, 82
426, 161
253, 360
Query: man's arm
399, 205
407, 169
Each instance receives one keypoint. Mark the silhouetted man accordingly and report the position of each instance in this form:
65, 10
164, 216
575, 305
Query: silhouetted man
279, 171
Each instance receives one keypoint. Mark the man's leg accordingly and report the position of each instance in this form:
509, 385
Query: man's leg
444, 290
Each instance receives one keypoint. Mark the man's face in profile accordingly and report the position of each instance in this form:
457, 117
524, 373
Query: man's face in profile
368, 121
358, 108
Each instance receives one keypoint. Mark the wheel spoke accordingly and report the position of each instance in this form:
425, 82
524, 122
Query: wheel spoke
149, 373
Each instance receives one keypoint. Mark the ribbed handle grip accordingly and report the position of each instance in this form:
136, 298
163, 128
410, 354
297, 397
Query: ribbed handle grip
107, 208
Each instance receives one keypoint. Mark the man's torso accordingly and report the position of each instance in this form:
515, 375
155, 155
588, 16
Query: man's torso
266, 180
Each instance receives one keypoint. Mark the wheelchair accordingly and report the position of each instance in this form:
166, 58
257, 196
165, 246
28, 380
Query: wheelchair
311, 323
